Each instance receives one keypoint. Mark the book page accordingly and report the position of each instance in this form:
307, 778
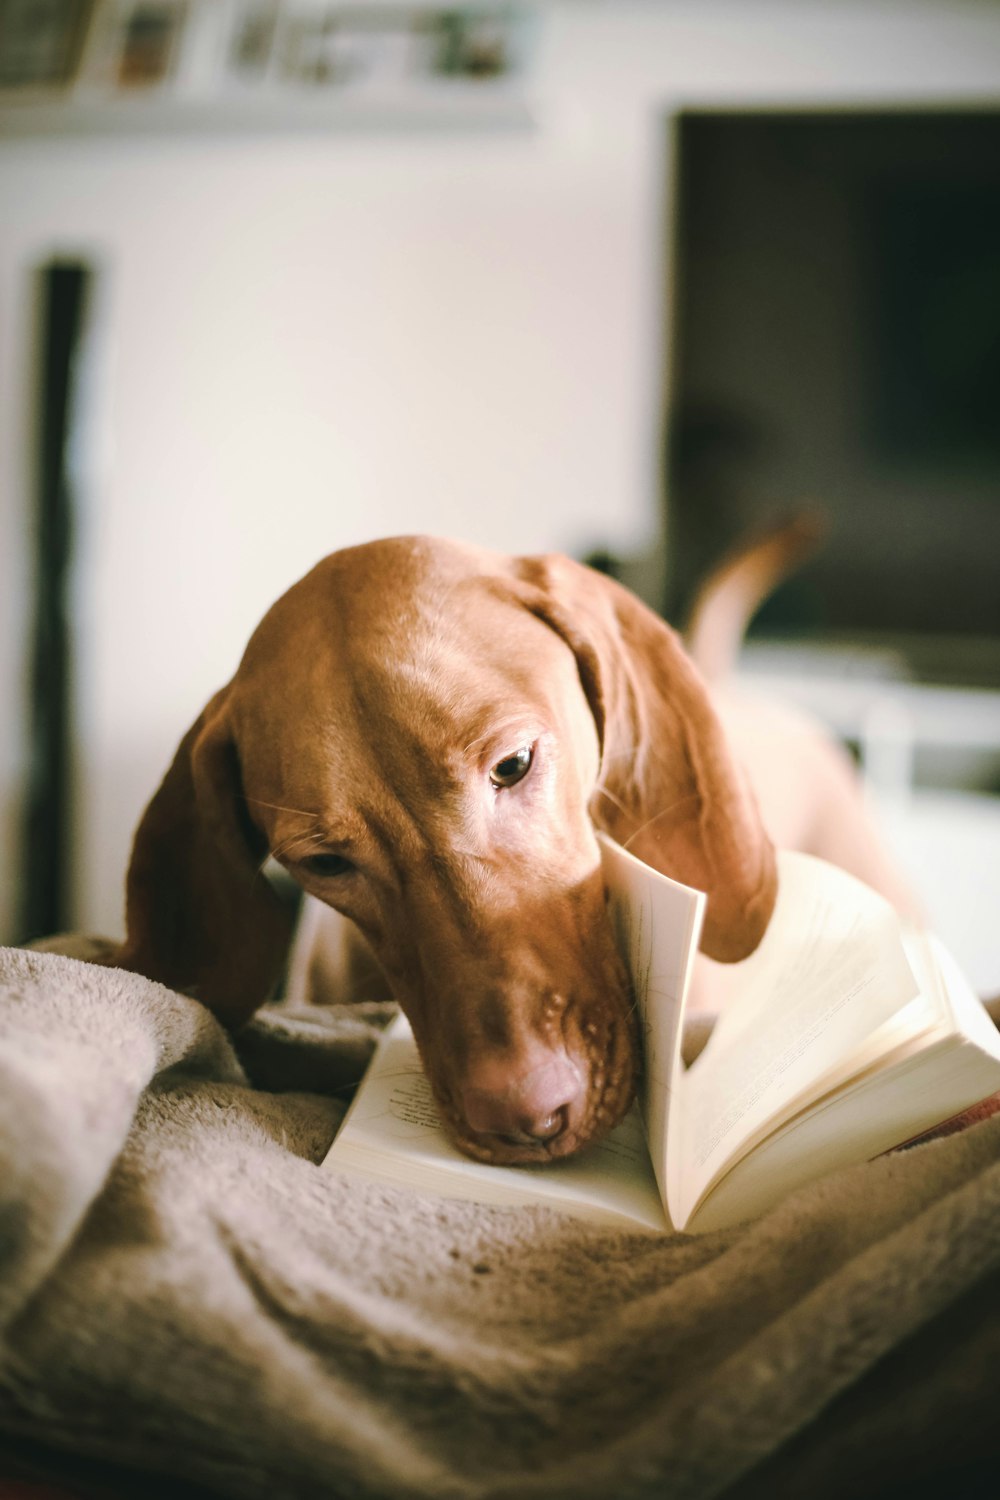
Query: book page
925, 1078
830, 971
393, 1132
657, 923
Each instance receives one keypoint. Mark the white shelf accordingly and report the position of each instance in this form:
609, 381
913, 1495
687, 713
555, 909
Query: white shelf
436, 107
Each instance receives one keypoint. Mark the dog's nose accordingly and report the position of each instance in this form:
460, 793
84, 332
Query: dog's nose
531, 1105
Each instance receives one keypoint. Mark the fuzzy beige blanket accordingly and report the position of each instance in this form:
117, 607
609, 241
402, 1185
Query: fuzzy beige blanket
188, 1305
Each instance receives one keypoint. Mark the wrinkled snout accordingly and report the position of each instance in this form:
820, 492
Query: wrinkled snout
526, 1100
550, 1092
547, 1075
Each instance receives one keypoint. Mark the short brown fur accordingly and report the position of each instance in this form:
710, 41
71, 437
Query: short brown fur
366, 714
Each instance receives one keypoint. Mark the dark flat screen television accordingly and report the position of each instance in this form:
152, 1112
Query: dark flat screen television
834, 315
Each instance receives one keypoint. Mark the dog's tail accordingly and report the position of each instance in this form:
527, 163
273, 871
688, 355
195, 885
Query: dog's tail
732, 593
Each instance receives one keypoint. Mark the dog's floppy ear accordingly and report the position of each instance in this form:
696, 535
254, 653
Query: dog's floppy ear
669, 788
200, 916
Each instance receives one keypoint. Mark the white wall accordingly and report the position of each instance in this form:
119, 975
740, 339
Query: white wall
310, 340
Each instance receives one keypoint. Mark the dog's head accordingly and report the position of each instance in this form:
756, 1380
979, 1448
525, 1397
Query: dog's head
425, 736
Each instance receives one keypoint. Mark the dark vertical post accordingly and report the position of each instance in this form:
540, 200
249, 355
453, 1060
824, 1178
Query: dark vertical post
62, 300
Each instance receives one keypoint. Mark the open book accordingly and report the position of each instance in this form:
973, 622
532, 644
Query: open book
845, 1035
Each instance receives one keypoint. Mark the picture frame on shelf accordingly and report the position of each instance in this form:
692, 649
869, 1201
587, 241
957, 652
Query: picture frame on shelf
138, 45
474, 43
371, 47
252, 44
41, 43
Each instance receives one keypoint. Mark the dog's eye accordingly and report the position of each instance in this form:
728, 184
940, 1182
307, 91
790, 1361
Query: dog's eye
327, 864
512, 768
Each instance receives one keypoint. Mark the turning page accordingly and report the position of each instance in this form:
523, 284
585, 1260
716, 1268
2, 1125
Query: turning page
657, 922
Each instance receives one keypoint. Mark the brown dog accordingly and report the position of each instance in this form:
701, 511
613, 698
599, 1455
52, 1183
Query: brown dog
426, 735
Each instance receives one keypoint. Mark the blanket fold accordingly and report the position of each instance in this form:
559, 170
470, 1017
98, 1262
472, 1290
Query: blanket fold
184, 1294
